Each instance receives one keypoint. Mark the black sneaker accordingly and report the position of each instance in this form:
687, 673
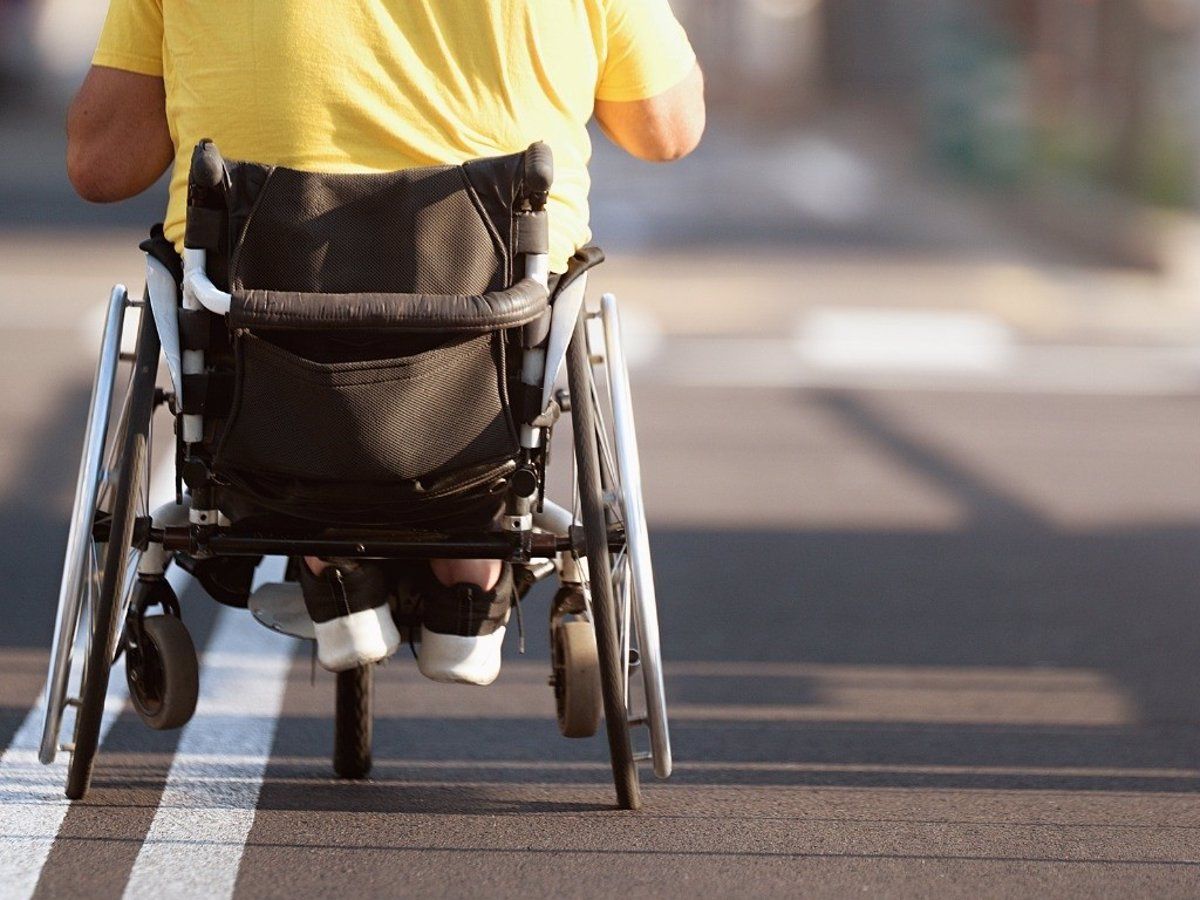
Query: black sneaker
348, 604
227, 579
408, 583
462, 629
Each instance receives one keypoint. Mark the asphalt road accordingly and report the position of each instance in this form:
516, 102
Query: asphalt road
920, 642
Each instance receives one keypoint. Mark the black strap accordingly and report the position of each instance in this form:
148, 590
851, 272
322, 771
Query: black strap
195, 329
204, 227
210, 394
533, 233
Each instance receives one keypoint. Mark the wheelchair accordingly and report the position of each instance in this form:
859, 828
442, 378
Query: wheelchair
356, 366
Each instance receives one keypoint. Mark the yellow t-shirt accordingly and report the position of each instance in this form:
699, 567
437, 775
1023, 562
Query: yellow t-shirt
379, 85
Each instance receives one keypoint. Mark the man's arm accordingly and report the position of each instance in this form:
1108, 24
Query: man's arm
118, 143
662, 129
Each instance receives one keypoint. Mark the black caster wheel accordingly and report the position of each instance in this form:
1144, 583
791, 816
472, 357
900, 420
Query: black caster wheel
163, 673
577, 698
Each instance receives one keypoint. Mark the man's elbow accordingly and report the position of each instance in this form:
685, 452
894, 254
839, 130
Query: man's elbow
679, 126
91, 176
118, 140
673, 143
673, 147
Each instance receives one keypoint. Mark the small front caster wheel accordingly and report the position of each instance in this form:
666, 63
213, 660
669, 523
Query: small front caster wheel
577, 695
162, 671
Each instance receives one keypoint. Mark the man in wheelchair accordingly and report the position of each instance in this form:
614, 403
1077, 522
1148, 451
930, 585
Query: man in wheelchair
315, 97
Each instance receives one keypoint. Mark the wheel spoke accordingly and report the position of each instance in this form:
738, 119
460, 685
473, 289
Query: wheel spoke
607, 458
626, 624
621, 566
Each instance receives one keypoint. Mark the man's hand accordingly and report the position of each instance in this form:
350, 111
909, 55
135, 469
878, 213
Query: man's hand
118, 143
662, 129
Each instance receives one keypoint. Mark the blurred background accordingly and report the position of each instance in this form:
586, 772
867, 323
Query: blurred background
916, 337
1069, 127
1042, 155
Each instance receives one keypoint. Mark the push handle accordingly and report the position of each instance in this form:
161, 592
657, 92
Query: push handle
512, 307
207, 174
207, 184
538, 174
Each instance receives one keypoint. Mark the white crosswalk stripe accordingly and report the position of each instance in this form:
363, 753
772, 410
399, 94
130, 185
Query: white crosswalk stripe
195, 843
909, 350
32, 805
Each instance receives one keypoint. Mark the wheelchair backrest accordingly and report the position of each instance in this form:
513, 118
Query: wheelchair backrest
436, 230
375, 325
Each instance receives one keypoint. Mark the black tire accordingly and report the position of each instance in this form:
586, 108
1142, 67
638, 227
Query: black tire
353, 723
163, 673
134, 444
591, 501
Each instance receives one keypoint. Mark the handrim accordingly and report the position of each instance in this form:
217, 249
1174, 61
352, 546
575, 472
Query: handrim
632, 565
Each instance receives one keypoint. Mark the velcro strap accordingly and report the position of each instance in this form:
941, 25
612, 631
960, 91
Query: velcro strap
531, 403
195, 329
210, 394
204, 226
533, 233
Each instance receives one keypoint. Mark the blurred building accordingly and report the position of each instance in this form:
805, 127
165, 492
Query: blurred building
1104, 91
45, 46
761, 57
1117, 91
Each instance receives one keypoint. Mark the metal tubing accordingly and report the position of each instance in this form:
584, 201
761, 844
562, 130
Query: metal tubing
567, 304
155, 558
382, 546
537, 267
198, 288
79, 537
555, 518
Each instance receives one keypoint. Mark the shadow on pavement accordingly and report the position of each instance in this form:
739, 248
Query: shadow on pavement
802, 657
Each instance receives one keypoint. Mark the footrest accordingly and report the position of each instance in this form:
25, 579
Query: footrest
280, 607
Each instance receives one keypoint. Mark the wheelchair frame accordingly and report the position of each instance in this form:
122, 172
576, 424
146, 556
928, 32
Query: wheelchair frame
601, 555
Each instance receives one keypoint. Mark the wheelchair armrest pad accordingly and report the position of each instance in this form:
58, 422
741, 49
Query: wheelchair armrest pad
518, 305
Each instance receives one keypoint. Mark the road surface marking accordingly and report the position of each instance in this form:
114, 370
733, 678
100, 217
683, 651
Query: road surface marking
732, 362
865, 348
195, 843
904, 339
32, 805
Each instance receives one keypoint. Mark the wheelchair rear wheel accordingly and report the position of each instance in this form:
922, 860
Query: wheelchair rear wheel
595, 528
353, 722
100, 570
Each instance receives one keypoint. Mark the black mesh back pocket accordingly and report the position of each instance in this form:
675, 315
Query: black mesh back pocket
380, 420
